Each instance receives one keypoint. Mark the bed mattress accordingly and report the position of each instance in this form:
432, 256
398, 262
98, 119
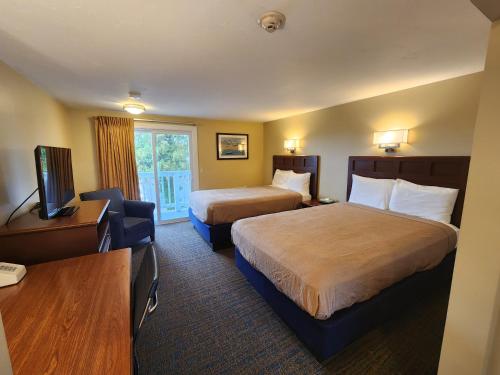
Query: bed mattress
330, 257
221, 206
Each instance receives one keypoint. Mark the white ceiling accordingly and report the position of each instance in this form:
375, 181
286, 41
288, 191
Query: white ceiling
210, 59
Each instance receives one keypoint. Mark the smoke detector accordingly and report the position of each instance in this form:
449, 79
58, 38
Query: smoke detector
272, 21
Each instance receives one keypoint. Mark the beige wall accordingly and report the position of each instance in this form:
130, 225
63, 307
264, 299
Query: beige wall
213, 173
441, 117
471, 342
28, 117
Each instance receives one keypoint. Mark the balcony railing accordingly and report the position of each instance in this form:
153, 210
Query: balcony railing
174, 189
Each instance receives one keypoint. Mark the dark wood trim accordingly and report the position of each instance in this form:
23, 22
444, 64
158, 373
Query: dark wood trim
445, 171
490, 8
217, 146
300, 164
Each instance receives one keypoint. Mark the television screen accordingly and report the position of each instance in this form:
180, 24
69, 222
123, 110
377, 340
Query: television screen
55, 179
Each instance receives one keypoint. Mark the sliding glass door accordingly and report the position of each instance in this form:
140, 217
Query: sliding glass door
166, 159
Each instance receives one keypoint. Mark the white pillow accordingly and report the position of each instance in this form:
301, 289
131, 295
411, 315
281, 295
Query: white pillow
299, 182
281, 177
429, 202
373, 192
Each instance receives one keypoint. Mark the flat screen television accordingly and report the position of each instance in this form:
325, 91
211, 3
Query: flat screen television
55, 181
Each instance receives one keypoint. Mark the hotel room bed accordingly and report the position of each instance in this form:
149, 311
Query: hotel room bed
327, 258
221, 206
212, 212
333, 272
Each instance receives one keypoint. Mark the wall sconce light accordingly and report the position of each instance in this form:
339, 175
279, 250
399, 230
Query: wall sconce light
390, 139
291, 145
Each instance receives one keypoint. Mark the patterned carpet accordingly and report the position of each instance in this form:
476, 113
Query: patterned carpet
211, 321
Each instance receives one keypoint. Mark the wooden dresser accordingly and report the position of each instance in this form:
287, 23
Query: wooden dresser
30, 240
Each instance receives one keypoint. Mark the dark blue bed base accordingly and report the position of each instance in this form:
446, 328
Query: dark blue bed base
327, 337
217, 236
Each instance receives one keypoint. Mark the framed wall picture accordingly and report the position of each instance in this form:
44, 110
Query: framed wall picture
232, 146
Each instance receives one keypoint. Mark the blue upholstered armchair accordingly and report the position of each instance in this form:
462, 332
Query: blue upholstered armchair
130, 221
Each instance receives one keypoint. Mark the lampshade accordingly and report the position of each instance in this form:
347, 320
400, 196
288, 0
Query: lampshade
134, 108
390, 138
291, 143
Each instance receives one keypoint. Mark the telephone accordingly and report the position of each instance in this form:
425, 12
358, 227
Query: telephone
11, 273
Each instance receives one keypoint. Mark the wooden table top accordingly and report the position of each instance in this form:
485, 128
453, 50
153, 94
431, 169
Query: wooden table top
30, 222
71, 316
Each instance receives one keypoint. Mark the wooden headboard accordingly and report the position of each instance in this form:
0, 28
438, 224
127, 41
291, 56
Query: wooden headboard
300, 164
446, 171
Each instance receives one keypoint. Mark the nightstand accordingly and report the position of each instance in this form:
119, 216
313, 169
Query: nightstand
314, 203
311, 203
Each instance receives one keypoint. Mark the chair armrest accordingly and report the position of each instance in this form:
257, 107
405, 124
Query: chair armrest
115, 217
140, 209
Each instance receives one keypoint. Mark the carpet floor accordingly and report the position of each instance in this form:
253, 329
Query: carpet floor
210, 320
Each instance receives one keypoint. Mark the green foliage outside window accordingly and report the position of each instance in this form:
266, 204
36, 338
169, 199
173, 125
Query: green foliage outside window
43, 159
172, 152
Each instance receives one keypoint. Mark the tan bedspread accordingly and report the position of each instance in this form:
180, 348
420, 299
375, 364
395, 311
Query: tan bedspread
228, 205
329, 257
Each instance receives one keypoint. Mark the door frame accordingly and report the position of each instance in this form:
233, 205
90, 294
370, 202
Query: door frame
162, 127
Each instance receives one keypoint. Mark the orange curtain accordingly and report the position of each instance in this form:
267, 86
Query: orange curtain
116, 154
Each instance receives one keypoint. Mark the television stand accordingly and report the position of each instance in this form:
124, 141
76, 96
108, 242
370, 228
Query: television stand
31, 240
67, 211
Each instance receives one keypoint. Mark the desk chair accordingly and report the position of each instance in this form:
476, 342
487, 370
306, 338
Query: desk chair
145, 293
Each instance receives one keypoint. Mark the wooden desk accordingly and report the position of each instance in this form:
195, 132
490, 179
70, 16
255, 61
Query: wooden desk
71, 316
31, 240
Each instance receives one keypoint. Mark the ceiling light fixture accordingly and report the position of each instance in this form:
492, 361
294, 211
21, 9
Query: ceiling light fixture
272, 21
133, 107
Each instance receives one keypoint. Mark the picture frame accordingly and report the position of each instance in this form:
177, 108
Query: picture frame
232, 146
